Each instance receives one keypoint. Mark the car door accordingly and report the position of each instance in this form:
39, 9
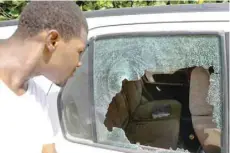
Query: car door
151, 78
145, 25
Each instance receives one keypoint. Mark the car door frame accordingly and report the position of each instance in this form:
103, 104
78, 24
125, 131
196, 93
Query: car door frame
90, 63
99, 145
185, 8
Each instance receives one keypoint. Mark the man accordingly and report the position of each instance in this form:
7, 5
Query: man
48, 41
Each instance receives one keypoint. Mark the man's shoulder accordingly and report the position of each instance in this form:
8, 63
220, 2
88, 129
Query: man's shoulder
43, 83
37, 93
39, 88
34, 88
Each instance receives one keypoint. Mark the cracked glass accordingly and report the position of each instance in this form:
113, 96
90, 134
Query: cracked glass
157, 65
155, 93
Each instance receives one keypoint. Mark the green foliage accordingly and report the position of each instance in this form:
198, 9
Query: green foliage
12, 9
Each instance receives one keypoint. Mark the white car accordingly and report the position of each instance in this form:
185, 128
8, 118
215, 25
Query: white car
149, 79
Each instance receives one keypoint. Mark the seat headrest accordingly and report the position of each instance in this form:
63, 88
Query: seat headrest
199, 86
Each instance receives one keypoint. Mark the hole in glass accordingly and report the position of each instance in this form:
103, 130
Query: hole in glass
176, 116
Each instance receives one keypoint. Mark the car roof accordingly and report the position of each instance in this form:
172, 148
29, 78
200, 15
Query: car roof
212, 7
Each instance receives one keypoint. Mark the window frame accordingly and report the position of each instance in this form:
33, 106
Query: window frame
226, 127
91, 51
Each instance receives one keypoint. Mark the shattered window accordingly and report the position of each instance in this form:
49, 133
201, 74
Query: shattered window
158, 92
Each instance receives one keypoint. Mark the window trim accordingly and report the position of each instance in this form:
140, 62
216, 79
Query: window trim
226, 108
155, 34
91, 50
182, 8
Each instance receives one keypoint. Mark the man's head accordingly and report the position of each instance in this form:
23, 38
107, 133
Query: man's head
58, 31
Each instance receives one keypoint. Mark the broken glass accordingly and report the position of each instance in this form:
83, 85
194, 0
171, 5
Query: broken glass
124, 57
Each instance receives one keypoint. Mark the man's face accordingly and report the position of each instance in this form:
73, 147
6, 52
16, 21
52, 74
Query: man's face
67, 59
64, 59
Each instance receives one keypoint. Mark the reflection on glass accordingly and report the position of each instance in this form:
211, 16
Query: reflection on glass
76, 111
140, 111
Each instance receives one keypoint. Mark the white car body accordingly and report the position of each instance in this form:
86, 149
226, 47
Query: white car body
184, 18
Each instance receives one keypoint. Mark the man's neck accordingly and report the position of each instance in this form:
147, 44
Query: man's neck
14, 82
16, 67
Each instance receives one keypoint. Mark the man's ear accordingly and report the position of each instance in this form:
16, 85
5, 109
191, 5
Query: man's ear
52, 39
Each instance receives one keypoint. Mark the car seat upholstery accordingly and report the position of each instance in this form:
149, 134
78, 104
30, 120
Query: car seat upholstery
175, 86
148, 122
201, 111
123, 105
156, 123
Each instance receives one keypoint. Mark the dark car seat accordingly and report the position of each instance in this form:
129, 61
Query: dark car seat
148, 122
176, 86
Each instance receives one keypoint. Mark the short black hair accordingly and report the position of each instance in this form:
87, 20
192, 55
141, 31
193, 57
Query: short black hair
64, 16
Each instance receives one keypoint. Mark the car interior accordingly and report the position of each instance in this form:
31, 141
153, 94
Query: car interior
167, 110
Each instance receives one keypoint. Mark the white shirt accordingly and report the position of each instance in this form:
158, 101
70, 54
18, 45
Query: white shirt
24, 121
